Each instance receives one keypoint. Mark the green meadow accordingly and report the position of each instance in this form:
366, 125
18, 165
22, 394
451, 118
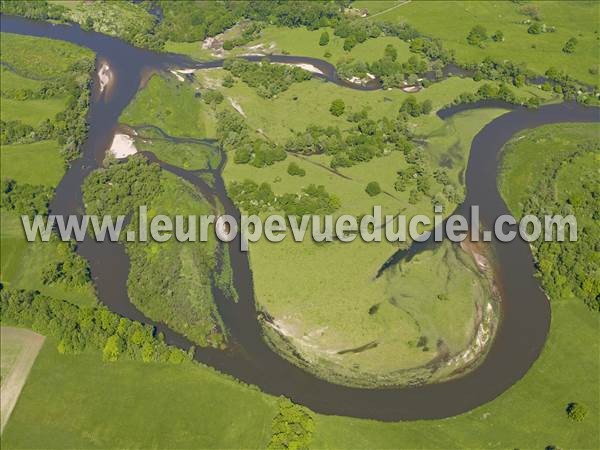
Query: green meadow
131, 404
36, 163
168, 104
187, 155
451, 21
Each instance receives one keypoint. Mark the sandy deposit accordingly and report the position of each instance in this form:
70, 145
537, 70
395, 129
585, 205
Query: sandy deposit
307, 67
122, 146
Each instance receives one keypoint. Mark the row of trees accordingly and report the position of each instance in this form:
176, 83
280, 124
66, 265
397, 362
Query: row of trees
366, 140
502, 92
78, 328
69, 127
268, 79
254, 199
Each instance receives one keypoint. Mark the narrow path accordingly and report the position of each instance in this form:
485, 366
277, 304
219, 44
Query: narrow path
388, 10
12, 386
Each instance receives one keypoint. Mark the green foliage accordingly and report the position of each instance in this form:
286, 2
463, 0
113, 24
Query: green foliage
268, 79
292, 427
64, 70
337, 107
373, 188
324, 39
233, 133
132, 183
565, 268
412, 107
477, 35
295, 170
77, 328
212, 97
570, 45
254, 198
70, 269
576, 411
349, 43
25, 199
498, 36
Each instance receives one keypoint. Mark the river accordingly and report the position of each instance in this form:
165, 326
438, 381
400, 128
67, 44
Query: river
525, 309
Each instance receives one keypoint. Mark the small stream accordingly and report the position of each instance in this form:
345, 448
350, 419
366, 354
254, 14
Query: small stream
525, 308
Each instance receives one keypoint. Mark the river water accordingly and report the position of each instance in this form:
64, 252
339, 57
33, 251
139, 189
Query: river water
525, 309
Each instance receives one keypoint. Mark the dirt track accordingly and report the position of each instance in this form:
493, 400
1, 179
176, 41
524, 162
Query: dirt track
13, 383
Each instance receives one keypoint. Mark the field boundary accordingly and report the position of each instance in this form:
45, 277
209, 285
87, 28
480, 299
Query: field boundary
12, 386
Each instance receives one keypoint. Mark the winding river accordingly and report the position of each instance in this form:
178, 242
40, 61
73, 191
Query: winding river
525, 309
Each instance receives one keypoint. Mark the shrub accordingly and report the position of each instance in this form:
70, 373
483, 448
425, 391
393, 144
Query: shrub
373, 189
324, 39
295, 170
576, 411
337, 107
569, 46
477, 35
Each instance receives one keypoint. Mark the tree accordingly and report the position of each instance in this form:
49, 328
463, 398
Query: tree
295, 170
349, 43
112, 348
337, 107
228, 81
426, 107
390, 52
535, 28
576, 411
477, 35
498, 36
569, 46
324, 39
373, 188
411, 106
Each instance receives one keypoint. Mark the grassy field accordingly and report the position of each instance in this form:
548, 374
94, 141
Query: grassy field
40, 57
531, 414
300, 41
134, 405
170, 105
451, 21
35, 163
23, 263
308, 102
31, 112
190, 156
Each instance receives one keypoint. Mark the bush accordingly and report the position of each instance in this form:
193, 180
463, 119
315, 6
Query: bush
477, 35
570, 45
295, 170
337, 107
498, 36
576, 412
373, 189
324, 39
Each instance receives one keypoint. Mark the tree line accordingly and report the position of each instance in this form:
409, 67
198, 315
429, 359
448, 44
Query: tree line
77, 328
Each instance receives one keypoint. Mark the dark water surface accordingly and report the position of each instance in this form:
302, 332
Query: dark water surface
525, 309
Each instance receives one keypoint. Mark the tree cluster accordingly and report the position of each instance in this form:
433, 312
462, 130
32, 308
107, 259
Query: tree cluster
254, 199
366, 140
25, 199
78, 328
292, 427
268, 79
